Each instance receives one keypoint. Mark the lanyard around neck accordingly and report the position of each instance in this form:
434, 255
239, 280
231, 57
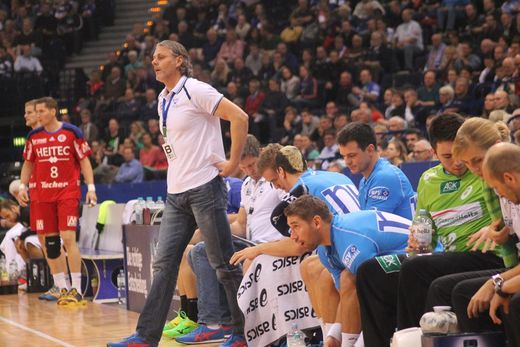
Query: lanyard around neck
165, 109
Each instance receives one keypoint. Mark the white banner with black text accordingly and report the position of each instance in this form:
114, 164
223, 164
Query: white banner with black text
273, 297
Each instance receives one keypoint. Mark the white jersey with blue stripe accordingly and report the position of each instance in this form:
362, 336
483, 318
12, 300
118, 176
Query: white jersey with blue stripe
360, 236
387, 189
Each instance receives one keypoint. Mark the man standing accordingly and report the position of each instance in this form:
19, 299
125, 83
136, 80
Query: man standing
57, 266
55, 153
189, 118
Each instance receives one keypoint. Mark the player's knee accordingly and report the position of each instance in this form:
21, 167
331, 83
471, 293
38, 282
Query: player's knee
53, 246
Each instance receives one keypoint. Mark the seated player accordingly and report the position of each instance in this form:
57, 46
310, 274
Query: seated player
350, 239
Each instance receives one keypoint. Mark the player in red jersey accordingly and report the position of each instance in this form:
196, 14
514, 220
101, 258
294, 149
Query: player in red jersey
55, 154
57, 266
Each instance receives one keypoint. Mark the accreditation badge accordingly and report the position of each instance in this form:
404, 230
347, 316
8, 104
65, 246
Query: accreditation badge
169, 152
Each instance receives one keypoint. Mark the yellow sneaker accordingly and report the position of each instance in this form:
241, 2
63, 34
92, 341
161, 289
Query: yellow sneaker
72, 298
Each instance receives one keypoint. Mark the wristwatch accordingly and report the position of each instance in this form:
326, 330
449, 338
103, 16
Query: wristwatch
498, 282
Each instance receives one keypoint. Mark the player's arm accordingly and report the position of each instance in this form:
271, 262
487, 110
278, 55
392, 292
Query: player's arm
238, 227
27, 169
88, 176
238, 119
282, 248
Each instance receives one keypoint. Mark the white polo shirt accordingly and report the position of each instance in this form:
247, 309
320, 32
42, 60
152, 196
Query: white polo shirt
193, 131
259, 198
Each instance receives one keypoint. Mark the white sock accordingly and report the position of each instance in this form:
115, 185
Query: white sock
360, 342
59, 280
348, 340
76, 281
325, 329
213, 326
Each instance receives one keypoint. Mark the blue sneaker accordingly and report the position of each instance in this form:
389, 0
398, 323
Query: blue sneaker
132, 341
235, 341
51, 295
203, 334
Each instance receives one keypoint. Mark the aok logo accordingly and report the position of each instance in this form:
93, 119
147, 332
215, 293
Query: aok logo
450, 186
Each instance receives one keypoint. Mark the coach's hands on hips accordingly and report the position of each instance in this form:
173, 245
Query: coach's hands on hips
91, 199
23, 196
226, 167
247, 253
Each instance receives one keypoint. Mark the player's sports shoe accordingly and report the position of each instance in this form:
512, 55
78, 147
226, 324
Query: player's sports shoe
52, 294
235, 341
71, 298
203, 334
63, 296
184, 327
132, 341
181, 315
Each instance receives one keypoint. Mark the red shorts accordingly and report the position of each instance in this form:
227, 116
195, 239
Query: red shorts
53, 217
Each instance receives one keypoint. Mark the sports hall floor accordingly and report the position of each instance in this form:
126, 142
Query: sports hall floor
26, 321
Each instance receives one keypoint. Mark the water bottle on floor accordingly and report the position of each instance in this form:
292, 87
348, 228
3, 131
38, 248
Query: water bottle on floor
4, 275
295, 337
121, 288
159, 204
13, 272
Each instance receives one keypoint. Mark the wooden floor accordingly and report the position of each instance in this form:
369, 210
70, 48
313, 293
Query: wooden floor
26, 321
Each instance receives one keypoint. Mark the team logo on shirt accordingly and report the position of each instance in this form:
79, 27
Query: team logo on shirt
379, 193
450, 186
62, 138
350, 255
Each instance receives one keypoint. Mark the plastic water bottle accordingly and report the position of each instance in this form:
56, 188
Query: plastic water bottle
295, 337
150, 204
121, 288
4, 275
138, 208
13, 272
159, 204
422, 228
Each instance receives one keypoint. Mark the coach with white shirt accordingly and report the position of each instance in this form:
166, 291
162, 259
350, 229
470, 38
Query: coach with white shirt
189, 116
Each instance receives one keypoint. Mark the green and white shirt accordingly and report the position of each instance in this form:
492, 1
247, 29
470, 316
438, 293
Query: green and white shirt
457, 206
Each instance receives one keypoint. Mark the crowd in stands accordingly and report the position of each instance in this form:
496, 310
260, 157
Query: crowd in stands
302, 70
35, 39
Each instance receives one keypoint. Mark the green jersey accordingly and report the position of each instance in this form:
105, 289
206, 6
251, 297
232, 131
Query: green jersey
457, 206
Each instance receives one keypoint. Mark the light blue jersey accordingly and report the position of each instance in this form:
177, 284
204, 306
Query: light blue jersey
387, 189
360, 236
335, 189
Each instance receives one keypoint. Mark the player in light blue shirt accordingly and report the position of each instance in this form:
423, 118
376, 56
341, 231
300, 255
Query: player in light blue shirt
384, 187
350, 239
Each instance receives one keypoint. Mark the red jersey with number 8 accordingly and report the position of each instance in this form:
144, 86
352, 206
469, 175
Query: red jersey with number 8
56, 157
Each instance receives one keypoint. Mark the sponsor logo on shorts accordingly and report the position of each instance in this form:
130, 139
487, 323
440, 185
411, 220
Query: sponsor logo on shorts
450, 186
39, 224
457, 215
379, 193
72, 221
62, 138
389, 263
350, 255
